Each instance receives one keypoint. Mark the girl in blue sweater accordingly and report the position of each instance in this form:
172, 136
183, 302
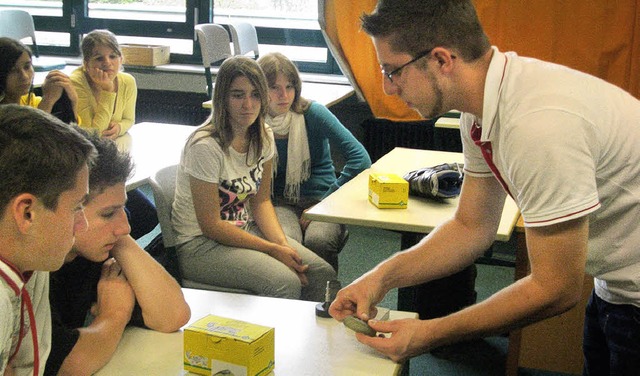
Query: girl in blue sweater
304, 172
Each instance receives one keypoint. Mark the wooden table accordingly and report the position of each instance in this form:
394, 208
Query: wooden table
152, 147
327, 94
304, 344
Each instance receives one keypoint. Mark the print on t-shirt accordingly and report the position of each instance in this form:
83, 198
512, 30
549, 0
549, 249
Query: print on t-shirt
235, 192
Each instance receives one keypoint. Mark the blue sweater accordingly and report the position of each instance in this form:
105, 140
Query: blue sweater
323, 129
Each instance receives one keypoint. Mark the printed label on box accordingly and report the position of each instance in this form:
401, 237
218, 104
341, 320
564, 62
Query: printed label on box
217, 345
388, 191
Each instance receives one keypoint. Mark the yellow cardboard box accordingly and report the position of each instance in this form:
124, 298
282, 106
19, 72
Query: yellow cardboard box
388, 191
216, 344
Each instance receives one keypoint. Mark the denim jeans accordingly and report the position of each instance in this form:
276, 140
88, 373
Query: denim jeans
611, 339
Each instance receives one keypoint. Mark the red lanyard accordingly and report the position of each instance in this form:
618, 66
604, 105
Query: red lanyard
25, 302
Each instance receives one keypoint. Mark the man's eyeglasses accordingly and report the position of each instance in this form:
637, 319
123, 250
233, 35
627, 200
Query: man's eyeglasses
399, 69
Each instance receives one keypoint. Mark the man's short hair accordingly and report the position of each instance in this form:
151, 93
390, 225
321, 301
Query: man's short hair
111, 166
39, 154
415, 26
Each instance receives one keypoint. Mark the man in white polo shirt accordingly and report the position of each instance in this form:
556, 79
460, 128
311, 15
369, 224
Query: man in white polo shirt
561, 143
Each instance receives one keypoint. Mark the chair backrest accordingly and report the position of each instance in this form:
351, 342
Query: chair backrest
215, 45
214, 41
18, 24
163, 185
245, 38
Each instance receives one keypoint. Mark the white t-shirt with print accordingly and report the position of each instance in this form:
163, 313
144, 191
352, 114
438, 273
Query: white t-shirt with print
237, 182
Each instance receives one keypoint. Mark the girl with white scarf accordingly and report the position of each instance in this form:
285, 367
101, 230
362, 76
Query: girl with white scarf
304, 171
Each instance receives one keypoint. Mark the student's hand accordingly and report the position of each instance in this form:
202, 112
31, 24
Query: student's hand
304, 223
52, 87
288, 256
105, 80
408, 338
113, 131
116, 297
359, 298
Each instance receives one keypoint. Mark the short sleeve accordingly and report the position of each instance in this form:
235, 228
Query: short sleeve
204, 160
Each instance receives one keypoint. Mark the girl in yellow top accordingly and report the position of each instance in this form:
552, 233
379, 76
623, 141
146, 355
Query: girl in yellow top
106, 96
16, 80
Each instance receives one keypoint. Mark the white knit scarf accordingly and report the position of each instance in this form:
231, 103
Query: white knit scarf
298, 157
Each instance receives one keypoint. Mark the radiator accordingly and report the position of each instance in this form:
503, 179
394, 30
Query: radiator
173, 107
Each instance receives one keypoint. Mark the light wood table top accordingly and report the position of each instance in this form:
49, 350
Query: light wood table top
152, 147
304, 343
350, 205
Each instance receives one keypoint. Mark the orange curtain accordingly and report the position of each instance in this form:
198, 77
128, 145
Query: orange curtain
598, 37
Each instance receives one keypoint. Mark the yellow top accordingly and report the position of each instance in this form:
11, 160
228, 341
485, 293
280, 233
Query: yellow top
119, 107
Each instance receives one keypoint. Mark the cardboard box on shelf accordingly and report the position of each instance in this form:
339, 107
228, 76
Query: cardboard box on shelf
145, 55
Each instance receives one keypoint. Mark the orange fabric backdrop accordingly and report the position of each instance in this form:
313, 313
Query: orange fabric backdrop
598, 37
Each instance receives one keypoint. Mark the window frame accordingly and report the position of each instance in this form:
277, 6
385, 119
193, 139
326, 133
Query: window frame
75, 22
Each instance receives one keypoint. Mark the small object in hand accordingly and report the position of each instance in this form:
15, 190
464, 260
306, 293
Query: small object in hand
358, 325
441, 181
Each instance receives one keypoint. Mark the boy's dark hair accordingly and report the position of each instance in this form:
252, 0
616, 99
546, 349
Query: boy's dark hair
111, 166
415, 26
39, 154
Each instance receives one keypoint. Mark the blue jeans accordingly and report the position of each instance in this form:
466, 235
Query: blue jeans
611, 339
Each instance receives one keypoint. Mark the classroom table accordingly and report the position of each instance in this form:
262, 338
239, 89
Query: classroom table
304, 343
324, 93
349, 204
153, 146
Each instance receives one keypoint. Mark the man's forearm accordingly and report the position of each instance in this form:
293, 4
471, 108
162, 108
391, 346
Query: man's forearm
437, 255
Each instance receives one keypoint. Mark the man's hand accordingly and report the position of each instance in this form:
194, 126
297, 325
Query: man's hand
116, 298
359, 298
407, 338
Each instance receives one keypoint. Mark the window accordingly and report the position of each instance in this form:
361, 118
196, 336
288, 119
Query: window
288, 26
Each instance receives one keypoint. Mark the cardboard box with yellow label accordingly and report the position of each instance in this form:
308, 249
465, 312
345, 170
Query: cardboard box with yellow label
218, 345
388, 191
